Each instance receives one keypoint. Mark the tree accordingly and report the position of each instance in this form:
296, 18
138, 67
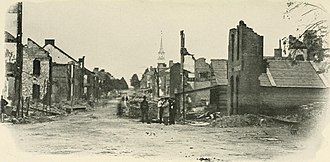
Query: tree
311, 22
123, 84
135, 81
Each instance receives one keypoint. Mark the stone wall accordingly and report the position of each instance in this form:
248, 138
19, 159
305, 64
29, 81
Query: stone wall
31, 52
61, 82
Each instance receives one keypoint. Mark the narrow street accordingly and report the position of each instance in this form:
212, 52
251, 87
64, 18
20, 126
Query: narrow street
101, 132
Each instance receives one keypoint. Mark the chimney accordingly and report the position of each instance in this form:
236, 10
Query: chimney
170, 63
50, 41
278, 51
280, 45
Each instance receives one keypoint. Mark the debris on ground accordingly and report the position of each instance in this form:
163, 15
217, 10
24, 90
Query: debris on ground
37, 112
237, 121
193, 123
134, 110
91, 116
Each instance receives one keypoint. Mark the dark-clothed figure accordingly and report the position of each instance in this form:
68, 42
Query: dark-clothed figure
166, 112
144, 110
120, 106
3, 104
172, 111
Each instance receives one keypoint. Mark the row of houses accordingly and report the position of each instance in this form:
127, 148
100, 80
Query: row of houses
50, 75
246, 82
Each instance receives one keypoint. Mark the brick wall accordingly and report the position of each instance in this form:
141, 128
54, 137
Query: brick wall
218, 98
245, 54
175, 79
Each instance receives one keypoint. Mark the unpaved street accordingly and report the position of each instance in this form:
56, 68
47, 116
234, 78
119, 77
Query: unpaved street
101, 133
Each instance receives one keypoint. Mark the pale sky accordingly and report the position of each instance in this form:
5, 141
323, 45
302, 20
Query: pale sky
123, 37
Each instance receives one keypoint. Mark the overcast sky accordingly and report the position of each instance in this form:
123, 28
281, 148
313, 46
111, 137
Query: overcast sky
123, 37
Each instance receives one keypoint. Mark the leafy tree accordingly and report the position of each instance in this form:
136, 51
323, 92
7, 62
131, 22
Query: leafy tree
311, 22
135, 81
123, 84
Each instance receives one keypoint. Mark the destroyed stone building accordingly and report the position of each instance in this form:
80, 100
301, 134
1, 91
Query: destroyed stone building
67, 74
202, 80
209, 84
148, 82
219, 83
10, 59
36, 73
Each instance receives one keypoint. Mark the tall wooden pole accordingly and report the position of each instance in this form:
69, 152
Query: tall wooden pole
19, 58
182, 74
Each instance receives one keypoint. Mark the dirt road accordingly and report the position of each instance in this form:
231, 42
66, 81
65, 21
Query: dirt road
100, 133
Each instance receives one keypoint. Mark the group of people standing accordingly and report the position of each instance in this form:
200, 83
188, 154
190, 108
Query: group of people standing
166, 111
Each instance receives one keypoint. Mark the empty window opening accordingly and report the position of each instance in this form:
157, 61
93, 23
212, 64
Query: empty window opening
36, 91
36, 67
232, 47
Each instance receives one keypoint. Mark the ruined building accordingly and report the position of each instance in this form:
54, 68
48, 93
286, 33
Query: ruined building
245, 65
10, 59
67, 74
36, 73
269, 85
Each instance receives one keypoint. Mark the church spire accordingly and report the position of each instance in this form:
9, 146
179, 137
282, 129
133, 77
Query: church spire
161, 53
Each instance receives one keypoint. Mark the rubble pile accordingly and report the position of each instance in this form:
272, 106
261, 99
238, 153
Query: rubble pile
307, 116
237, 121
134, 107
311, 115
38, 112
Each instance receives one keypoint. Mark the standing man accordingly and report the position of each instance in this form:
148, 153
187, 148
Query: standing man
166, 111
172, 110
144, 110
160, 110
2, 108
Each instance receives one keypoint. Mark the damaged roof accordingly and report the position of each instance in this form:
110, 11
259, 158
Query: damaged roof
282, 73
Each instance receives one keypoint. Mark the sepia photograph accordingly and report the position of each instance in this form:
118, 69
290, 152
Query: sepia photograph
164, 80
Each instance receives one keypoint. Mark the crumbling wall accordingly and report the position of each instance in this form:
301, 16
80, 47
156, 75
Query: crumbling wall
33, 52
61, 82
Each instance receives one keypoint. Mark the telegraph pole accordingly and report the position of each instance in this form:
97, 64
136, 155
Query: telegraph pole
19, 58
182, 73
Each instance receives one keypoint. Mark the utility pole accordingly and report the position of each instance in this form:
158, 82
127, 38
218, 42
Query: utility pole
182, 74
19, 59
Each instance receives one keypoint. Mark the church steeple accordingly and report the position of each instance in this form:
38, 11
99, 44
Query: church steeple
161, 53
